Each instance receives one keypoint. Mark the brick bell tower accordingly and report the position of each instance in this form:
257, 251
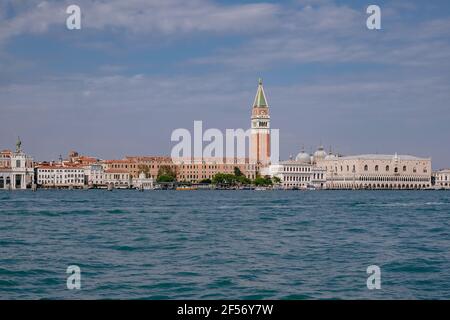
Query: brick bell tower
260, 132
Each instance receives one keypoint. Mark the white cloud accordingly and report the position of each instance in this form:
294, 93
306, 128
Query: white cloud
337, 34
168, 17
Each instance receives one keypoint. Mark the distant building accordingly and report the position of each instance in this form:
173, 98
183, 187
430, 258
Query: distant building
297, 174
137, 164
142, 182
100, 177
442, 179
117, 178
16, 169
376, 171
195, 171
60, 176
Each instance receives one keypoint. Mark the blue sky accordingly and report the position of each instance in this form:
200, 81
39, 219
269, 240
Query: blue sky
139, 69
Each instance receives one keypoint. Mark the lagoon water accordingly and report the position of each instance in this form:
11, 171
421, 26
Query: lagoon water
224, 244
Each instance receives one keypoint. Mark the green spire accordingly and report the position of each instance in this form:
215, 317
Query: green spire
260, 98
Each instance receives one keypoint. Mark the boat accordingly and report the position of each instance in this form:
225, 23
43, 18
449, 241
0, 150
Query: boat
186, 188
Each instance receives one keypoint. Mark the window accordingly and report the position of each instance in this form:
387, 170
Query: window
387, 168
376, 168
366, 168
396, 170
404, 168
18, 163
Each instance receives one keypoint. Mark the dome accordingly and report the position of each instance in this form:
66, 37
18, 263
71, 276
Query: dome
330, 156
320, 154
303, 157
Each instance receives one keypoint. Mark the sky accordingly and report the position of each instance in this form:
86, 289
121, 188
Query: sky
139, 69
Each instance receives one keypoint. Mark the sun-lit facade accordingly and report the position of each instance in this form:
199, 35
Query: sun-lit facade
16, 169
377, 171
442, 179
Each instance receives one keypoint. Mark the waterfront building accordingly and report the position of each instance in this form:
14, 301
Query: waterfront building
150, 165
300, 173
100, 177
260, 128
196, 171
442, 179
117, 178
376, 171
94, 174
134, 165
16, 169
142, 182
297, 174
60, 176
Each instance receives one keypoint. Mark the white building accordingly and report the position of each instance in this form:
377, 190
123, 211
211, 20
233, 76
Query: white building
298, 173
377, 171
16, 169
442, 179
99, 177
60, 176
142, 182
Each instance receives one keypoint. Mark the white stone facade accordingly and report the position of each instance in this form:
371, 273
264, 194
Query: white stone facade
59, 176
442, 179
296, 174
99, 177
377, 172
16, 170
142, 182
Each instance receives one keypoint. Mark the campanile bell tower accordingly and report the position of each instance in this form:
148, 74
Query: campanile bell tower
260, 132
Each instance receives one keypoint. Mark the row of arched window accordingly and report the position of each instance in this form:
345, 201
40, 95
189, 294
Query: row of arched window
387, 169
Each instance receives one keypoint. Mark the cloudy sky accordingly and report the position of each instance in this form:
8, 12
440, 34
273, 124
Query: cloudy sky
138, 69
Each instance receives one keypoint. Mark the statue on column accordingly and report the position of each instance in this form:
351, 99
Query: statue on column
18, 145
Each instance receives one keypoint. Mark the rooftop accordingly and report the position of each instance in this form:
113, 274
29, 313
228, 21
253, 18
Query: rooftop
380, 157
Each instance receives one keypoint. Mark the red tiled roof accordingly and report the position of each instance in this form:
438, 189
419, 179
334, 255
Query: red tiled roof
116, 171
117, 161
150, 158
57, 167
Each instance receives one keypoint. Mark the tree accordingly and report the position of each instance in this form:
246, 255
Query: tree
205, 181
224, 178
166, 174
262, 181
243, 180
237, 172
276, 180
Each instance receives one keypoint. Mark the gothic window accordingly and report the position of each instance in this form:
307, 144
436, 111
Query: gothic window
376, 168
387, 168
366, 168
